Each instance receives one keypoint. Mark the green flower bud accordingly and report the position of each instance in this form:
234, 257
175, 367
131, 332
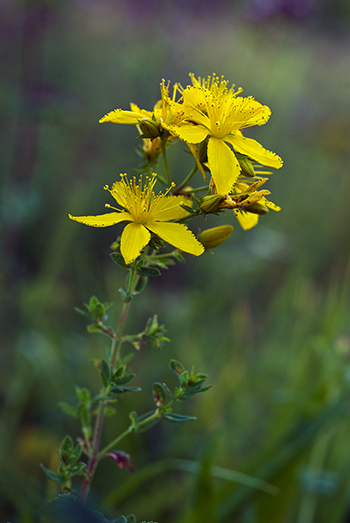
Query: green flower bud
246, 166
211, 203
214, 237
257, 208
150, 128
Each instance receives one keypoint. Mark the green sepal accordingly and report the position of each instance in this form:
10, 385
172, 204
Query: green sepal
172, 416
159, 394
187, 208
149, 271
67, 409
129, 519
105, 373
51, 475
176, 367
119, 260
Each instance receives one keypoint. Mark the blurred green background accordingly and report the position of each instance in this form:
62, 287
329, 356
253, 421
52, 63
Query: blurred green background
266, 316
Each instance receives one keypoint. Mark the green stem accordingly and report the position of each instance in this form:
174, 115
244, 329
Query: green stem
185, 181
114, 442
165, 161
114, 354
198, 189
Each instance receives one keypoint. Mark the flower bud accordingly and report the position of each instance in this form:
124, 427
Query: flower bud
214, 237
257, 208
149, 128
246, 167
211, 203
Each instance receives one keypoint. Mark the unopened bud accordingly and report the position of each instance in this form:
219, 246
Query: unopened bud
246, 167
211, 203
214, 237
257, 208
150, 128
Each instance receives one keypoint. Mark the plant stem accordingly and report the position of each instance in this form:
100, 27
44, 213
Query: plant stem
114, 354
115, 441
165, 162
186, 180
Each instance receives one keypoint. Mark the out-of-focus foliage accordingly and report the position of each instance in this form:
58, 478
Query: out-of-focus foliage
267, 316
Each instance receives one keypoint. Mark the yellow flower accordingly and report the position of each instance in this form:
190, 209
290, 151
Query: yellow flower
145, 212
211, 110
165, 111
248, 203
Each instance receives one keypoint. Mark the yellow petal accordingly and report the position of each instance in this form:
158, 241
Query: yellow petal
247, 220
189, 132
169, 208
102, 220
194, 151
223, 165
195, 96
270, 205
254, 150
134, 238
125, 117
178, 235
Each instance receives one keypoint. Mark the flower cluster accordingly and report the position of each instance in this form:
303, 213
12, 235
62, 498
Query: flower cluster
209, 117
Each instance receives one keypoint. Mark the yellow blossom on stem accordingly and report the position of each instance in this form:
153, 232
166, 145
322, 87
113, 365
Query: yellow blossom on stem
248, 203
211, 110
145, 212
166, 110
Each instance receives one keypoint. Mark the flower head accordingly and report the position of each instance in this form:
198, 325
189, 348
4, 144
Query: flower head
145, 212
211, 110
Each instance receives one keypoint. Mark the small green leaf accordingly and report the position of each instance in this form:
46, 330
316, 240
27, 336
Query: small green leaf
179, 256
83, 416
187, 208
149, 271
119, 260
110, 411
159, 394
105, 372
123, 380
67, 445
94, 327
83, 394
134, 420
141, 285
67, 409
176, 367
148, 420
172, 416
183, 378
51, 475
120, 389
126, 296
